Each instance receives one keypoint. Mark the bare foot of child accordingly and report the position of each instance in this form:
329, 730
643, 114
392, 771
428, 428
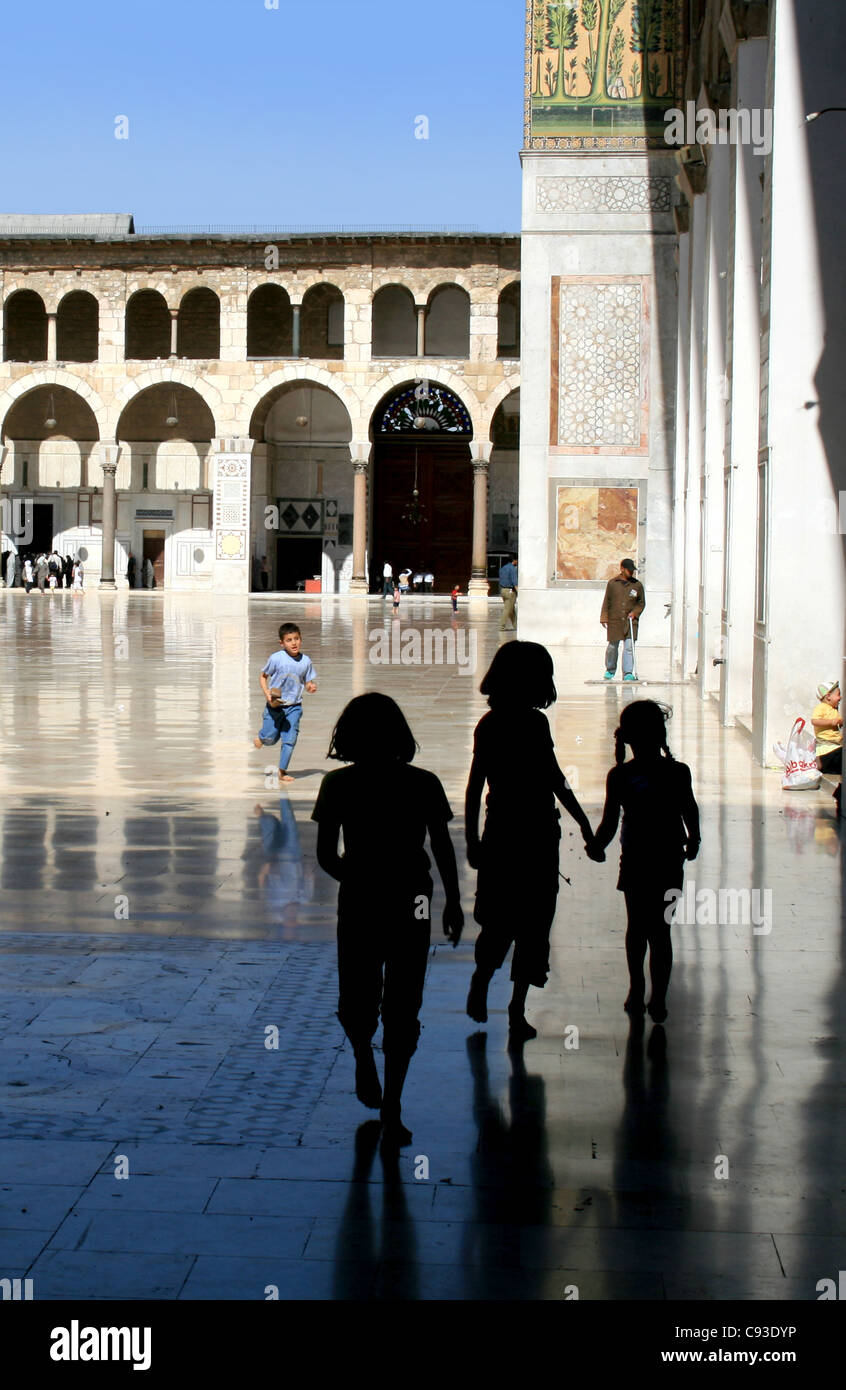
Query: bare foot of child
283, 777
257, 742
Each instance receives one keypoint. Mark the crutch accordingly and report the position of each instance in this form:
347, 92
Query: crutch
634, 658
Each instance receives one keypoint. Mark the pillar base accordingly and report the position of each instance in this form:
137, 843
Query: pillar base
478, 588
107, 584
359, 586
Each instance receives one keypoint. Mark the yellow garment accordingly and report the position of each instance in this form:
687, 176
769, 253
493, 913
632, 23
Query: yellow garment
832, 738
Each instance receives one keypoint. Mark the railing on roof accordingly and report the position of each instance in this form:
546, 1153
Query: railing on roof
343, 229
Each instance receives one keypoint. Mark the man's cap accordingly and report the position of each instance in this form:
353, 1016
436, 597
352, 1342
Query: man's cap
628, 565
825, 688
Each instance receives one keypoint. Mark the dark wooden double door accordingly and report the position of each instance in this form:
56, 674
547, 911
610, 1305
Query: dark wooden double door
441, 541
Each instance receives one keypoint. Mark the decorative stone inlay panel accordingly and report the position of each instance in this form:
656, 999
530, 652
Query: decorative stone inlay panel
600, 361
231, 506
595, 193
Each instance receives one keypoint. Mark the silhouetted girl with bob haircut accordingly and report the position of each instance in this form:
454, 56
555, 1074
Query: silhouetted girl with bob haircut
385, 896
517, 855
660, 830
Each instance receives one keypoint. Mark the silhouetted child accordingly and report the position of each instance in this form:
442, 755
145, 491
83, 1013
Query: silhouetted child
286, 674
660, 830
384, 901
517, 856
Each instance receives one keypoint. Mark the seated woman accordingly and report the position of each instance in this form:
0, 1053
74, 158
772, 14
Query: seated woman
828, 727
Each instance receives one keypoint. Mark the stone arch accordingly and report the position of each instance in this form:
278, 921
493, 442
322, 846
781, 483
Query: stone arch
401, 376
494, 400
24, 326
78, 327
322, 322
394, 322
448, 321
147, 327
286, 376
165, 375
169, 289
198, 324
55, 376
442, 278
270, 321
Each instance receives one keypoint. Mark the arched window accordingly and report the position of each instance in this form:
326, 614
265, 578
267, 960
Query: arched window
424, 408
147, 326
270, 323
198, 325
78, 327
508, 321
448, 322
322, 323
394, 323
25, 327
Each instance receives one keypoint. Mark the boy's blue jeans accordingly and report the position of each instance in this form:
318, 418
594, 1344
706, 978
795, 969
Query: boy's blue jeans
283, 723
611, 656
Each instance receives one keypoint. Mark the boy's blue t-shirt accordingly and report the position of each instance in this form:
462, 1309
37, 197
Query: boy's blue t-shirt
290, 674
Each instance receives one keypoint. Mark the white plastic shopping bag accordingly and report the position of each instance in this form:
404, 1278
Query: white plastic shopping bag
800, 768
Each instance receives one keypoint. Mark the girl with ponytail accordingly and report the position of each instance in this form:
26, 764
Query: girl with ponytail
660, 831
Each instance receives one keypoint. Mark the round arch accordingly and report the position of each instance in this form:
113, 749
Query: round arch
393, 381
494, 401
293, 375
55, 377
158, 376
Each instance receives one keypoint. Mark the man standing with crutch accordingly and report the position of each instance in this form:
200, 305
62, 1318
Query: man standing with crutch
621, 608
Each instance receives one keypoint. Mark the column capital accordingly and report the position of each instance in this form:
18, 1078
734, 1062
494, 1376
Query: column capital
109, 454
481, 465
232, 445
480, 452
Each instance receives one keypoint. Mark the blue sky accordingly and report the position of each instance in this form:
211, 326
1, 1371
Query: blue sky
240, 114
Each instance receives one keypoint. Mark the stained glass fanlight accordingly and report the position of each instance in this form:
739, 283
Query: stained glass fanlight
425, 408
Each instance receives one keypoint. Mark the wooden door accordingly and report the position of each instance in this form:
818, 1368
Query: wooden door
154, 550
441, 541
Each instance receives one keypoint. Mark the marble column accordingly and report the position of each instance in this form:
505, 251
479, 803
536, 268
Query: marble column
174, 327
295, 346
358, 583
421, 329
107, 563
478, 585
51, 337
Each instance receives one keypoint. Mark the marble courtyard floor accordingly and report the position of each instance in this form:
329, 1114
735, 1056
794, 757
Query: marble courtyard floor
161, 908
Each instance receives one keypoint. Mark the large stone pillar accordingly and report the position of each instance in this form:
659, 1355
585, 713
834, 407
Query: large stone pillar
231, 465
358, 583
109, 458
51, 337
478, 585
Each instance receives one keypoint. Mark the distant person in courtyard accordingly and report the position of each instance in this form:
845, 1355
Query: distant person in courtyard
404, 581
624, 599
418, 583
149, 575
286, 674
508, 593
54, 568
78, 575
384, 901
454, 596
517, 854
660, 831
28, 574
828, 727
41, 572
67, 571
396, 598
387, 580
18, 571
428, 582
131, 570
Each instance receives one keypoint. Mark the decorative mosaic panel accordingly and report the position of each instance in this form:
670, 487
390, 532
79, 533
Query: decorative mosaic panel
301, 516
594, 193
600, 74
599, 361
231, 506
595, 528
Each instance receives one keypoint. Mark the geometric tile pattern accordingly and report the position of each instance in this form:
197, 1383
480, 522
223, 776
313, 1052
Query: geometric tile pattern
603, 194
599, 353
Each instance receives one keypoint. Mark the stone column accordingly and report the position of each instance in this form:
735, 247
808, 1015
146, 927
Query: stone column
421, 329
174, 324
109, 453
295, 348
478, 585
358, 583
231, 469
51, 337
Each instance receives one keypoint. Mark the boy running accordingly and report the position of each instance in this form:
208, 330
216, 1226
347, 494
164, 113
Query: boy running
286, 674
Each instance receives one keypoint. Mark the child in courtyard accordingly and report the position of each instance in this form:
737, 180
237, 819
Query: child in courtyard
454, 596
384, 901
517, 855
287, 673
660, 830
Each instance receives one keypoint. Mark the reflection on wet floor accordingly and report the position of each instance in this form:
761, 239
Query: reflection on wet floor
161, 907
